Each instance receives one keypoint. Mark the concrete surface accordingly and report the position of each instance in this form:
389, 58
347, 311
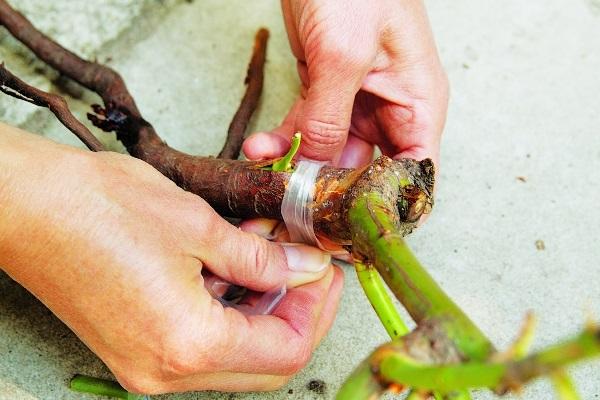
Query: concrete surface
525, 103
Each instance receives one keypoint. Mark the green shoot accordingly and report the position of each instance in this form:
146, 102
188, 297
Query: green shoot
284, 164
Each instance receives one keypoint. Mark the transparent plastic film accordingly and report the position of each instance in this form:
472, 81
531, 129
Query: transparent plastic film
296, 206
242, 299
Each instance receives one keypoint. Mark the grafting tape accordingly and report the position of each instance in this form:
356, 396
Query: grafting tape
296, 206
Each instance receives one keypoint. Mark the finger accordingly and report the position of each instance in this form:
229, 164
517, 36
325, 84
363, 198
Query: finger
270, 229
238, 382
356, 153
414, 132
263, 227
267, 145
331, 305
277, 344
334, 71
324, 118
248, 260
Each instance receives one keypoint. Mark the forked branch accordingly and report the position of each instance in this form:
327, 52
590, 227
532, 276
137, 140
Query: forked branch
15, 87
369, 209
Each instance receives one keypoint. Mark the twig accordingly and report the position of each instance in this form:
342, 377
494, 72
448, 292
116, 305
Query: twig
102, 387
394, 363
15, 87
564, 386
254, 81
100, 79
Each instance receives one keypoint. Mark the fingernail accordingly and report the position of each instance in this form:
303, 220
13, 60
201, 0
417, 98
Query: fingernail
306, 263
263, 227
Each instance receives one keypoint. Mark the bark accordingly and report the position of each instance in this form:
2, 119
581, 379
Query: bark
369, 209
254, 81
234, 188
13, 86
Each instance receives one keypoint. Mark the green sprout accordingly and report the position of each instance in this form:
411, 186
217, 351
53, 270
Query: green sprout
284, 164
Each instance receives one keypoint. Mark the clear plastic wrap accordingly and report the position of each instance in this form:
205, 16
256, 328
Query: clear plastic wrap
298, 197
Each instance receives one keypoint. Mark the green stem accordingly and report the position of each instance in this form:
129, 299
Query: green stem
501, 376
374, 234
390, 363
284, 164
102, 387
564, 385
371, 282
458, 395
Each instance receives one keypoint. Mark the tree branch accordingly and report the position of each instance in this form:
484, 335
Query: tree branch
17, 88
234, 188
254, 81
400, 364
371, 208
98, 78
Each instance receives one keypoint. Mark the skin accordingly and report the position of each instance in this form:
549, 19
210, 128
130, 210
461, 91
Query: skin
117, 252
370, 76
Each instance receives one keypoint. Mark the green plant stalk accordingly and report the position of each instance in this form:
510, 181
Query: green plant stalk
102, 387
372, 285
458, 395
362, 384
390, 364
500, 376
374, 229
563, 384
284, 164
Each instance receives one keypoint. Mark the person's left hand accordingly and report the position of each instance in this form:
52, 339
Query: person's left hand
370, 76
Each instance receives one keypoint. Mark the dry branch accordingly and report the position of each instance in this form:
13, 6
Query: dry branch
254, 81
234, 188
15, 87
371, 208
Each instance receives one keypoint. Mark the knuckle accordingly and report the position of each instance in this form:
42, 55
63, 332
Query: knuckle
182, 357
183, 354
257, 261
343, 53
180, 364
323, 133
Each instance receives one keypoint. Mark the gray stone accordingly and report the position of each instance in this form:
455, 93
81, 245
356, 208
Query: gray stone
525, 103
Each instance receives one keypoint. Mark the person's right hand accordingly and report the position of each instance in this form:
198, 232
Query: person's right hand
116, 250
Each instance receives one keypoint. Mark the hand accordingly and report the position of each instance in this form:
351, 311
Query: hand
116, 251
370, 75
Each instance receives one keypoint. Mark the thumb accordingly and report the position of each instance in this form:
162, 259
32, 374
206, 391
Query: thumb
248, 260
325, 116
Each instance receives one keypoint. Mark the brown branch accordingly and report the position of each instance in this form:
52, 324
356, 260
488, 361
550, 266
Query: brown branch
17, 88
234, 188
100, 79
254, 81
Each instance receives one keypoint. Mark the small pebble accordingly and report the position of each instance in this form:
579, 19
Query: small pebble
317, 385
